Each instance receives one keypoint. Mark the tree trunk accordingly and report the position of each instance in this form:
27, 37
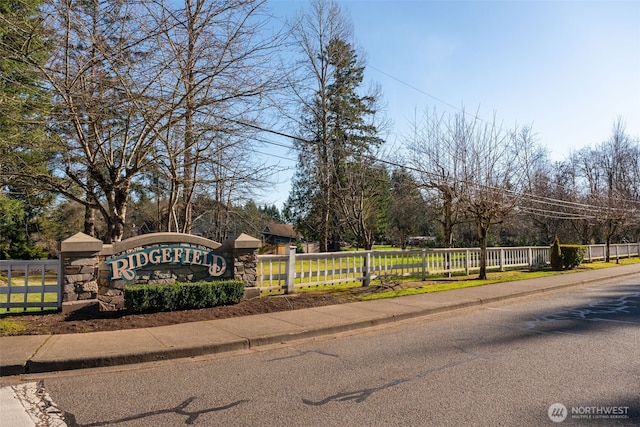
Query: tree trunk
89, 212
482, 237
89, 221
448, 219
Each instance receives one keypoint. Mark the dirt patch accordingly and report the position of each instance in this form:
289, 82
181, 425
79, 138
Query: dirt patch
58, 323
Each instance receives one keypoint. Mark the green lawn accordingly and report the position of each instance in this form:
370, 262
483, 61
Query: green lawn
497, 277
35, 296
309, 272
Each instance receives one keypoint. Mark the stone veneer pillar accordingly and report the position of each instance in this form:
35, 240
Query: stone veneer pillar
80, 255
242, 253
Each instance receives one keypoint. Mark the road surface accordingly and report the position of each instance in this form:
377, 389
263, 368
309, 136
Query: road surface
565, 358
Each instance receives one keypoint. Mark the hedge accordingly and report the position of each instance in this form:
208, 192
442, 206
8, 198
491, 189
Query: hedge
566, 257
182, 296
572, 255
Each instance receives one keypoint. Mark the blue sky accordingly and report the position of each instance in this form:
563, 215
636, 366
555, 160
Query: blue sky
568, 68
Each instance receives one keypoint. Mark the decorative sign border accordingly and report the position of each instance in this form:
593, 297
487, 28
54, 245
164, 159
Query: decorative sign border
125, 266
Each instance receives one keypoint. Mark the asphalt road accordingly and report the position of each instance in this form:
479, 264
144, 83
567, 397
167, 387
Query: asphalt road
571, 355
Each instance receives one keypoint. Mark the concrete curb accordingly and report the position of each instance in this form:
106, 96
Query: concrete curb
41, 366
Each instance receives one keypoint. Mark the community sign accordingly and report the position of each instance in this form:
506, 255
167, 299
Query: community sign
124, 266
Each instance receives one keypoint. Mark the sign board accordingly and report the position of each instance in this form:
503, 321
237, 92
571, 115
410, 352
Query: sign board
125, 266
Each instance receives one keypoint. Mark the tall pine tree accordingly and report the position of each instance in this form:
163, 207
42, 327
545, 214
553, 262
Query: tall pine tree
23, 101
336, 130
23, 139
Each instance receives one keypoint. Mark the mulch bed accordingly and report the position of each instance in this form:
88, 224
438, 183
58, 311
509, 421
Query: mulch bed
58, 323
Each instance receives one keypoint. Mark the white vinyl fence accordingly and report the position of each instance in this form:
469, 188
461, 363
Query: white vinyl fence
621, 250
30, 284
277, 273
38, 283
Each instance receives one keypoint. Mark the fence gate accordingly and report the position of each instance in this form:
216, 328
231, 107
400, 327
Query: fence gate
30, 284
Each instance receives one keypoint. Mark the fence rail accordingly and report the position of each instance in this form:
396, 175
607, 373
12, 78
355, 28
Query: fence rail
277, 273
38, 283
30, 284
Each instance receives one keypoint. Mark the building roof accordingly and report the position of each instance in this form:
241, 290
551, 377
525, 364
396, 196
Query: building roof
282, 230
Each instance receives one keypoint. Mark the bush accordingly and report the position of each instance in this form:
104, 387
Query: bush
572, 255
556, 256
182, 296
566, 256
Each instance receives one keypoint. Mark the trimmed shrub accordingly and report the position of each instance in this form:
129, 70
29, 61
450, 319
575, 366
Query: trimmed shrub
182, 296
556, 256
572, 255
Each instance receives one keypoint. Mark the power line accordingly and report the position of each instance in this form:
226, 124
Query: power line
448, 104
417, 89
532, 198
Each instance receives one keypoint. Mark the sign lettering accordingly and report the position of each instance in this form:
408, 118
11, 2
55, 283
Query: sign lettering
125, 266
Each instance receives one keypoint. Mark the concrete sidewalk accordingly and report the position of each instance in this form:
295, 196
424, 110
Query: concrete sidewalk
45, 353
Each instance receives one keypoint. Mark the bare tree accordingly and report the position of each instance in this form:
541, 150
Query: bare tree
474, 168
493, 178
610, 174
104, 135
362, 200
219, 70
438, 152
229, 178
407, 208
145, 87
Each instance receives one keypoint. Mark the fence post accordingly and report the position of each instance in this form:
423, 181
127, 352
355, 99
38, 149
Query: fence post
291, 270
424, 265
60, 282
501, 259
530, 255
466, 262
366, 274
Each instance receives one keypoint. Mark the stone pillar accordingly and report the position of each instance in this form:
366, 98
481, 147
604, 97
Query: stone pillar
80, 266
242, 254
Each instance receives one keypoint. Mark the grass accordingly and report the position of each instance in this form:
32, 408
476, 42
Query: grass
318, 270
498, 277
9, 327
32, 297
440, 284
601, 264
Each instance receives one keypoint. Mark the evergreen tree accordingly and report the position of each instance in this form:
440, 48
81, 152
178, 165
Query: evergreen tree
15, 241
336, 132
24, 145
23, 101
272, 213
